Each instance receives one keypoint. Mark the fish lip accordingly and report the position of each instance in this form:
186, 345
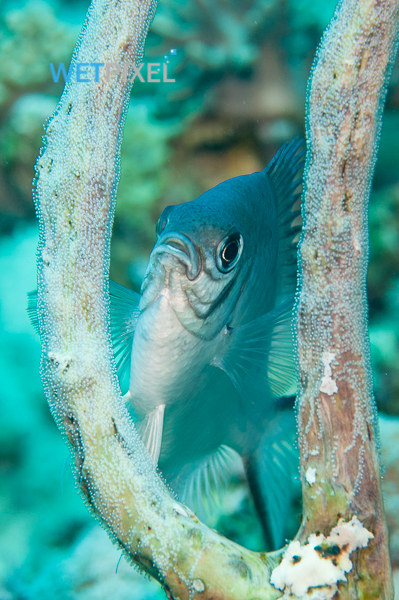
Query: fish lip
180, 246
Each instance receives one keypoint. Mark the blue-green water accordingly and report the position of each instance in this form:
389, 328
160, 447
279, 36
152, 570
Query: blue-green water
241, 73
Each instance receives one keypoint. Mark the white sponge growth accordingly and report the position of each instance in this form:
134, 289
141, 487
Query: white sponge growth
320, 563
328, 385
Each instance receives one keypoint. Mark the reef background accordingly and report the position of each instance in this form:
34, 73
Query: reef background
241, 71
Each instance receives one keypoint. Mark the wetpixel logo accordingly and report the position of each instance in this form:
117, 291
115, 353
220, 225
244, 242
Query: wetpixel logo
83, 72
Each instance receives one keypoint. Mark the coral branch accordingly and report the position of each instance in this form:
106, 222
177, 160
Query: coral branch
337, 416
77, 176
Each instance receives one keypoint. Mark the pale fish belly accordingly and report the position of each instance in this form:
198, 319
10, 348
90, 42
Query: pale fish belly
165, 359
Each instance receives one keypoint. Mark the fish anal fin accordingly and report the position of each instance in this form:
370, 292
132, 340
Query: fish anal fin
202, 488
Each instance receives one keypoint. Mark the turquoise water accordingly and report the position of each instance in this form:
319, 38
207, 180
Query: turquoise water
241, 73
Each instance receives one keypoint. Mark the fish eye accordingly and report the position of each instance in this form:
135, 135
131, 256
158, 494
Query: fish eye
162, 221
229, 252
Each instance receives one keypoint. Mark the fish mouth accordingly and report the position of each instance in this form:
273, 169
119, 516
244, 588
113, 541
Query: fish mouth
180, 246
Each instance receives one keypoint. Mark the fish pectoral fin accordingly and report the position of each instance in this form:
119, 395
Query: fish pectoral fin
123, 318
124, 314
32, 310
150, 431
281, 367
258, 356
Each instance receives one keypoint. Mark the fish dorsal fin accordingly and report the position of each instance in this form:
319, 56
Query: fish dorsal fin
258, 356
124, 314
150, 431
285, 175
204, 485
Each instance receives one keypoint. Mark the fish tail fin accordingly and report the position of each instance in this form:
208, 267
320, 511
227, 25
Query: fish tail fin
272, 474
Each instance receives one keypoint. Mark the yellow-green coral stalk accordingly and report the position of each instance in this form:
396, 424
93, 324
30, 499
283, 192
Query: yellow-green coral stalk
77, 176
337, 417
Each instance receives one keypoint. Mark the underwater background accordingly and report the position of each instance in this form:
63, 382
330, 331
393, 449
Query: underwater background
240, 70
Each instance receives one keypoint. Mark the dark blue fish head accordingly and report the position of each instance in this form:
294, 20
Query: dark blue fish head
216, 256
